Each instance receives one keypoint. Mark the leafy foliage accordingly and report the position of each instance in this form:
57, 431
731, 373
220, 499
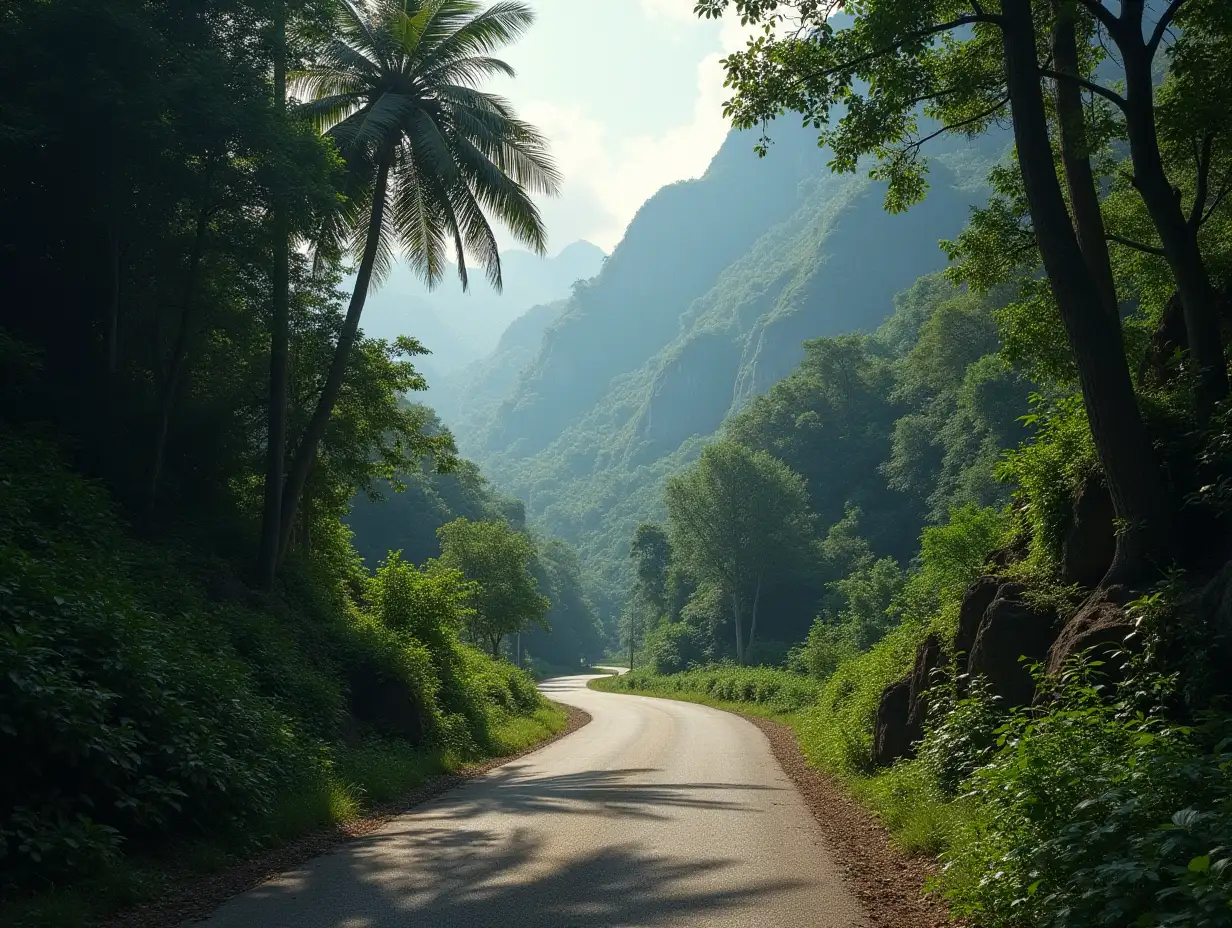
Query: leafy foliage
496, 559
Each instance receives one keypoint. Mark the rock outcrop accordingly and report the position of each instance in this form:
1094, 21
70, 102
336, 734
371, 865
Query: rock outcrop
1090, 542
928, 657
892, 731
1012, 628
1100, 626
975, 602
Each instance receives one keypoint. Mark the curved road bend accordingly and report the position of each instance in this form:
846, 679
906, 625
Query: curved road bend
657, 813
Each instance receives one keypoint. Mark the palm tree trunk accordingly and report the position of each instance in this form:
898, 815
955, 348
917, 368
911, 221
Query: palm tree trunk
280, 345
1178, 236
179, 358
305, 454
1076, 159
1120, 438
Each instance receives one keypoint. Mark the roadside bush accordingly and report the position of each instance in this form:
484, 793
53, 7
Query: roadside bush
1094, 814
674, 646
776, 690
962, 736
116, 725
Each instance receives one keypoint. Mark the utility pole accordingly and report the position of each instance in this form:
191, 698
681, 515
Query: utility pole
632, 629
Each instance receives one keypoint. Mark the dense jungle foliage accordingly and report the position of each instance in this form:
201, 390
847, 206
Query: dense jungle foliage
197, 656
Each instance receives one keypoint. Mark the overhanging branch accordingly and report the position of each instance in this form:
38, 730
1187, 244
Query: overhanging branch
1097, 9
852, 63
1118, 100
955, 126
1161, 27
1136, 246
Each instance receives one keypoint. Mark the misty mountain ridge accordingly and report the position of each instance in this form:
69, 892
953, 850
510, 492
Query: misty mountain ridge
460, 327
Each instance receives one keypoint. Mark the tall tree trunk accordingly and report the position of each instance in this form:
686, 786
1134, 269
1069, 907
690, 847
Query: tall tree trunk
1076, 158
753, 618
280, 345
1178, 236
739, 629
112, 325
111, 346
179, 358
305, 454
1121, 441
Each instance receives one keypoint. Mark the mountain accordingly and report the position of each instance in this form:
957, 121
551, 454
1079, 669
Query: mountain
704, 304
469, 397
460, 327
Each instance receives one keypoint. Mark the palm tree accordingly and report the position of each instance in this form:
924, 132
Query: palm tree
429, 157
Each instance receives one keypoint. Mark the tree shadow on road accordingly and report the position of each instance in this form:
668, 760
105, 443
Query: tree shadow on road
466, 877
590, 792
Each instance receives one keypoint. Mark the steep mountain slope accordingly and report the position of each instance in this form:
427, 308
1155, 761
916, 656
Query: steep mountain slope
461, 327
468, 398
704, 304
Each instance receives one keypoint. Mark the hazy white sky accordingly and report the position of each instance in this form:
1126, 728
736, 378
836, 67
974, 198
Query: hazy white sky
630, 93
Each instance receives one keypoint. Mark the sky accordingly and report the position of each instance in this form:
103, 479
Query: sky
630, 94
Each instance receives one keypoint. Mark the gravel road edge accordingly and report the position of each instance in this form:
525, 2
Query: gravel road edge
888, 883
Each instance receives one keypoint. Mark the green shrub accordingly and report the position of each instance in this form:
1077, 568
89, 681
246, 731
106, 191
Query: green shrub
961, 735
1094, 814
776, 690
117, 724
674, 646
836, 734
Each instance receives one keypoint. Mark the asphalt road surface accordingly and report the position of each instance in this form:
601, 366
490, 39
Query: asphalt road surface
657, 813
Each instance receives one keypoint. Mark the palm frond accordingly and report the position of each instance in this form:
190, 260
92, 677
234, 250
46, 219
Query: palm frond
324, 113
375, 124
417, 222
433, 159
337, 55
468, 70
356, 30
501, 195
515, 147
482, 33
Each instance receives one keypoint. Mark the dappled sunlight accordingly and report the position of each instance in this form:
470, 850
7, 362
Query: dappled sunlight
463, 876
590, 792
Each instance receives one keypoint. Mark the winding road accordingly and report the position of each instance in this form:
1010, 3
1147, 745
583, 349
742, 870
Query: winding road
657, 813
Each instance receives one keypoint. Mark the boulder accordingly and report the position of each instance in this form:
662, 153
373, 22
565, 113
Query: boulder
976, 600
928, 657
1090, 541
1011, 629
892, 732
1100, 626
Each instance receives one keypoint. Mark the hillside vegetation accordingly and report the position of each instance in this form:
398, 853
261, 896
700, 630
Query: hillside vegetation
198, 658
